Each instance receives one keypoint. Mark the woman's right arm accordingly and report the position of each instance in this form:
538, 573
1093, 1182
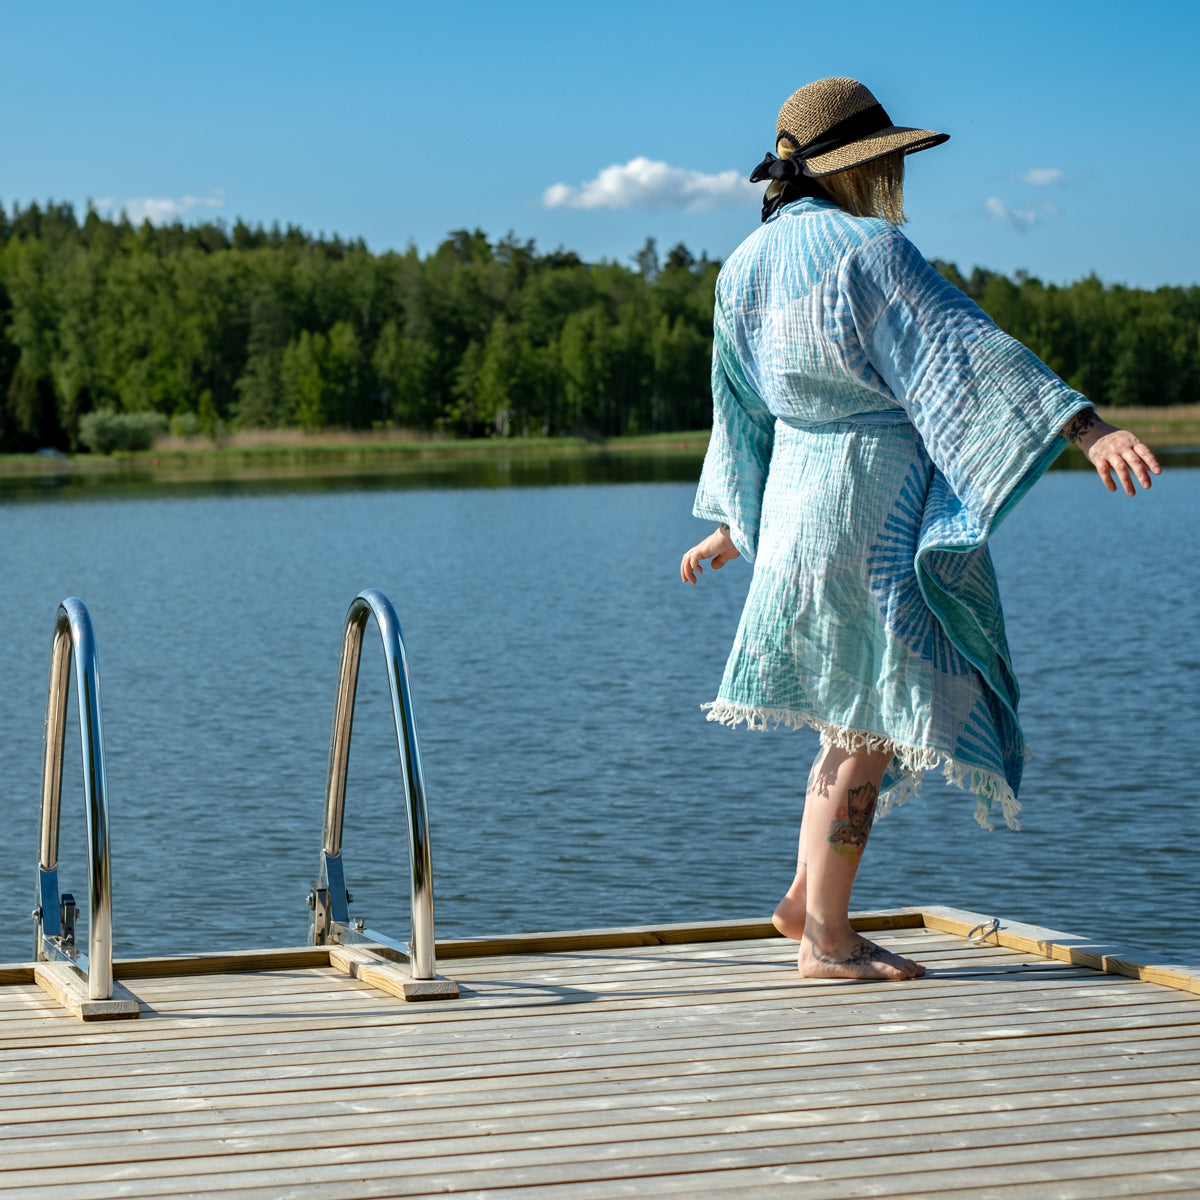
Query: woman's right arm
738, 457
1110, 449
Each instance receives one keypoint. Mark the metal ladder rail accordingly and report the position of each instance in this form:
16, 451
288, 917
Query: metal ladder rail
54, 934
329, 899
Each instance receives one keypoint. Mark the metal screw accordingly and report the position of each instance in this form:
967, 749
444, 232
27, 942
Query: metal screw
37, 913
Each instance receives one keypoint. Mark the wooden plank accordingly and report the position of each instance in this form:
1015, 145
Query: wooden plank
765, 1028
416, 1140
749, 1046
780, 972
653, 935
1162, 1142
466, 1077
490, 985
778, 952
901, 1077
776, 949
579, 1089
747, 1004
1077, 1179
227, 961
646, 1013
1144, 1186
1066, 947
737, 988
415, 1117
484, 1001
465, 1130
26, 1001
693, 1007
749, 1009
577, 960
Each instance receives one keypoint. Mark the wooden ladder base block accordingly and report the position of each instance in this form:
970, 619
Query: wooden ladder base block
438, 988
71, 992
379, 972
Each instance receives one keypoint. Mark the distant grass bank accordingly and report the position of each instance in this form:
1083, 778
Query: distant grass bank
290, 454
270, 454
1160, 428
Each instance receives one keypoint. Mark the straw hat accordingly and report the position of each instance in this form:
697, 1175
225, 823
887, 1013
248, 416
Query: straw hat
835, 124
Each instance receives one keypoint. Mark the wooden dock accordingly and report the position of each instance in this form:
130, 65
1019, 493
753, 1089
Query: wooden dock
665, 1061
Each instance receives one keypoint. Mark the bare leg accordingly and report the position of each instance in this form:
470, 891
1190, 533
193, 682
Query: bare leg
838, 812
790, 912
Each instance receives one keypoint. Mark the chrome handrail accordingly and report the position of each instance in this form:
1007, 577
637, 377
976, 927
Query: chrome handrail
329, 899
54, 934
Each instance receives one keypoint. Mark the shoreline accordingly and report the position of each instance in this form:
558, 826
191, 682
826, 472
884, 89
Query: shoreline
263, 455
258, 455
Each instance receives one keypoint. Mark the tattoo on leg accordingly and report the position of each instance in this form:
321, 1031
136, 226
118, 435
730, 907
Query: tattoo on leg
848, 834
864, 952
1079, 424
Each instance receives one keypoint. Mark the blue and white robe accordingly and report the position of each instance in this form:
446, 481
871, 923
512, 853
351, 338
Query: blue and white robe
871, 427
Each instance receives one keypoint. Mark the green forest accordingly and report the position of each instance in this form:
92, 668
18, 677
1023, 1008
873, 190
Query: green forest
206, 329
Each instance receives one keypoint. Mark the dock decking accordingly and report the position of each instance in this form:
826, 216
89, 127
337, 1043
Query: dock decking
666, 1061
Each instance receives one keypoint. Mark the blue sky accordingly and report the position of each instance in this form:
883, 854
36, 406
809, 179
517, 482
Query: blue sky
1073, 143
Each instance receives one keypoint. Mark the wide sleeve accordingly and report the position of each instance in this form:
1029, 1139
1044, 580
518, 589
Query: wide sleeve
988, 410
739, 451
989, 413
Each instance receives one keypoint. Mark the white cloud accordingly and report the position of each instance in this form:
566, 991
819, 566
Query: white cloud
1021, 218
161, 210
1042, 176
644, 183
1017, 218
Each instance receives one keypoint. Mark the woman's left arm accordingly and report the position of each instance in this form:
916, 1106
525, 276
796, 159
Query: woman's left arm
1110, 450
718, 546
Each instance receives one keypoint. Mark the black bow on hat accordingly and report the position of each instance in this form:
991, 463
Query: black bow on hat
782, 169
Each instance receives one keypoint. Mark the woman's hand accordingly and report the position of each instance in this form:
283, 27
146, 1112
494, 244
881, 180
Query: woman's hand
1111, 449
718, 546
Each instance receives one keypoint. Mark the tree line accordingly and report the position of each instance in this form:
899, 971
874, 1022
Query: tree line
1118, 345
207, 328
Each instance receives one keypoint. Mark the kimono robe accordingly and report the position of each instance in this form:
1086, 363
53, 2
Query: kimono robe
871, 427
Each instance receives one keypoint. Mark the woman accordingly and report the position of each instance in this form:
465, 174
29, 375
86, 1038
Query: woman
871, 427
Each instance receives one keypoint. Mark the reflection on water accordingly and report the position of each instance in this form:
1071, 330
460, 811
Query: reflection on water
599, 466
559, 666
595, 466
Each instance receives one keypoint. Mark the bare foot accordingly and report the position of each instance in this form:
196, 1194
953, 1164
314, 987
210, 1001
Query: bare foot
855, 959
788, 917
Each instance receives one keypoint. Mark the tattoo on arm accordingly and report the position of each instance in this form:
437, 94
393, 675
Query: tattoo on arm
1079, 425
723, 528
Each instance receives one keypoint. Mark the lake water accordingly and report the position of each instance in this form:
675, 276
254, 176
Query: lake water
559, 666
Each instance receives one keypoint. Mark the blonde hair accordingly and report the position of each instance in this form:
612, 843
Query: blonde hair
872, 189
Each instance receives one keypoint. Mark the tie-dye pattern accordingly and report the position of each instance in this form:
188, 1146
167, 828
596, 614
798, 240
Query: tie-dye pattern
871, 427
